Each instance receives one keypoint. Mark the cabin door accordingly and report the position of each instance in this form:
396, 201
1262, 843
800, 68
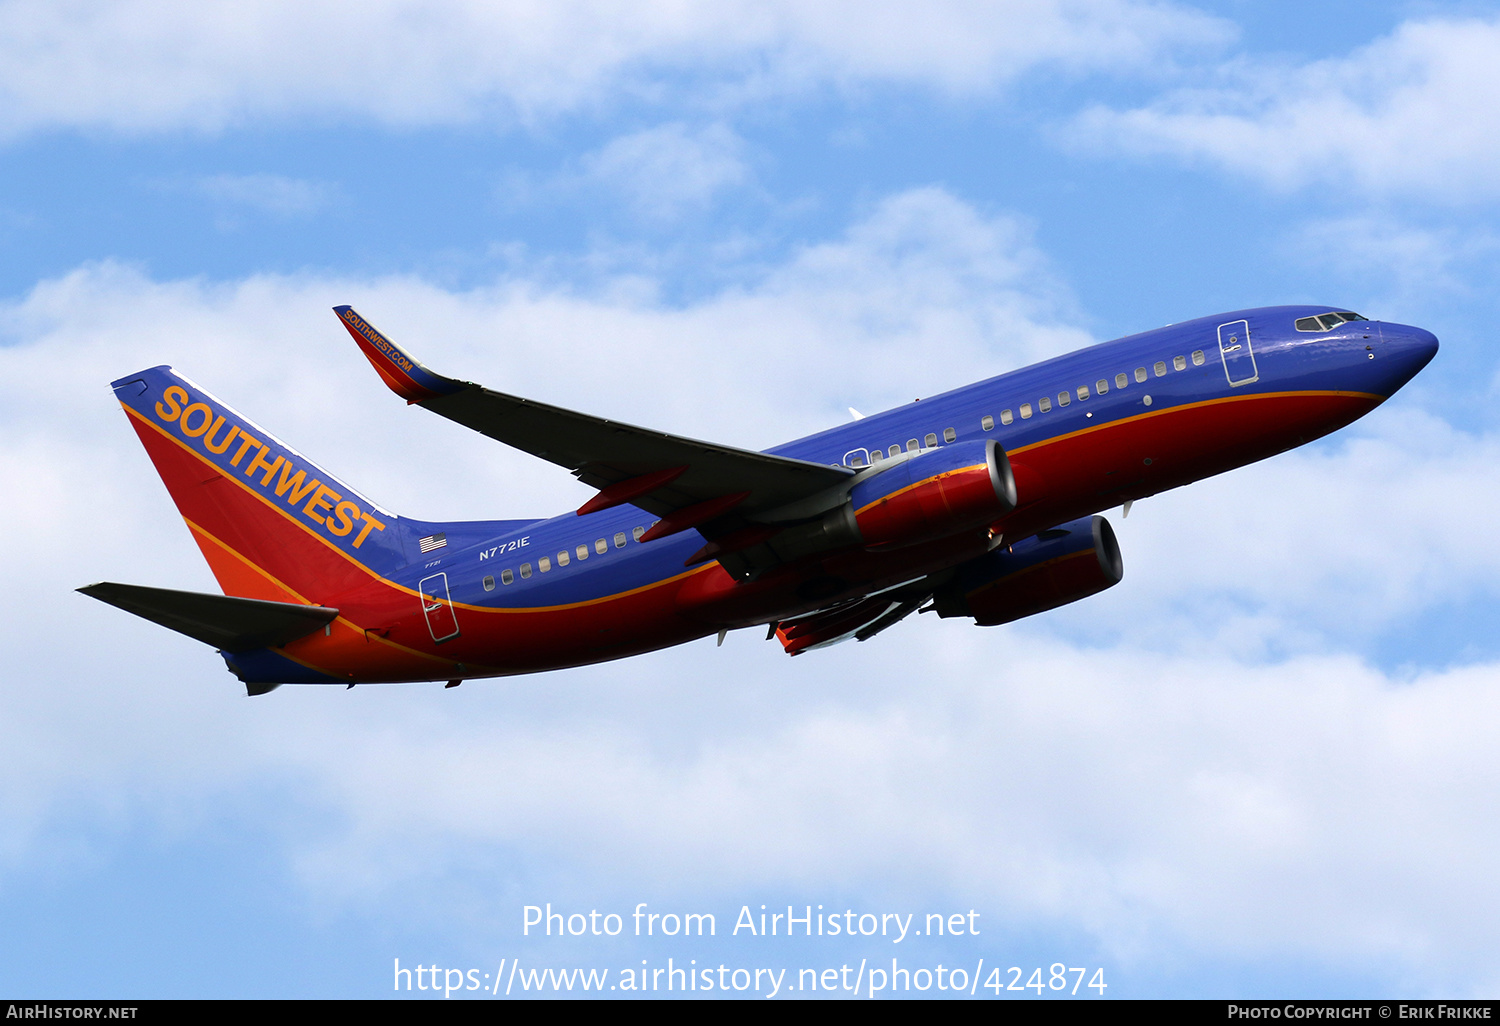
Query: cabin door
1235, 351
437, 607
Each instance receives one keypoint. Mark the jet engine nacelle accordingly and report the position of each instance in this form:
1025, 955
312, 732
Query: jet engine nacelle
1055, 567
935, 493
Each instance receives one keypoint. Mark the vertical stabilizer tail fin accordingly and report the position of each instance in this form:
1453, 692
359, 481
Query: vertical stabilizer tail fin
271, 523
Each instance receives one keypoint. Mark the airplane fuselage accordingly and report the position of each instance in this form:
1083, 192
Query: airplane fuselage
958, 499
1084, 432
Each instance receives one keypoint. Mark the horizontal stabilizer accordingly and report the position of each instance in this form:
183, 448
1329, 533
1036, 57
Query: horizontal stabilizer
223, 621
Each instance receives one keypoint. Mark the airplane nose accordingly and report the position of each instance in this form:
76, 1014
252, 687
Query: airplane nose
1406, 350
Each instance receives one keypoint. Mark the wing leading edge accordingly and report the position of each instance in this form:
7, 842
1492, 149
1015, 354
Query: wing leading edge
688, 483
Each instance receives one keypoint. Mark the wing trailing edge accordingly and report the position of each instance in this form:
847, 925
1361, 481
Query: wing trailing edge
659, 472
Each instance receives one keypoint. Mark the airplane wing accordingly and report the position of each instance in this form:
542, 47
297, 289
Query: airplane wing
687, 482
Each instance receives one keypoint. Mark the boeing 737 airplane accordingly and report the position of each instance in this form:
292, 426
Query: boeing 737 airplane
981, 502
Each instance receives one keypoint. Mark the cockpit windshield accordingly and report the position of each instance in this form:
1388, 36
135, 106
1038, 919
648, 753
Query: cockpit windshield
1328, 321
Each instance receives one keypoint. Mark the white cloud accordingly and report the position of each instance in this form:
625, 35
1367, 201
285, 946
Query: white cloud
1163, 805
1412, 114
1173, 800
670, 169
163, 64
922, 295
1395, 263
1334, 545
266, 193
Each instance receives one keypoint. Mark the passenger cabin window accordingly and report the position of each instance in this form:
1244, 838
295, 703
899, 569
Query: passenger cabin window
525, 571
601, 546
1025, 411
1121, 380
1160, 367
489, 582
876, 456
1197, 358
1044, 404
856, 458
930, 441
619, 539
1180, 362
636, 532
988, 423
1101, 386
507, 577
949, 434
1063, 399
1083, 391
1006, 417
544, 564
895, 450
1140, 374
562, 558
912, 445
582, 550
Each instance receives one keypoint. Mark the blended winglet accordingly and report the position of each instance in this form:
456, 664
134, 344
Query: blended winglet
684, 481
402, 374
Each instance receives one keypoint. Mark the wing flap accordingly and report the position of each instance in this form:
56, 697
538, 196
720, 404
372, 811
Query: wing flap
859, 619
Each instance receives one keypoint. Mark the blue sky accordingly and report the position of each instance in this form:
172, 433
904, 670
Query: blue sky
1262, 765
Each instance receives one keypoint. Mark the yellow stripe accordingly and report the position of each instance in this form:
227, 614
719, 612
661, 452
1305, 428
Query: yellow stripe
925, 480
1127, 420
293, 520
1191, 406
293, 591
386, 580
237, 554
589, 602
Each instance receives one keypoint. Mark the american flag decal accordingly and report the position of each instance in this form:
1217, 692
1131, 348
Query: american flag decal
432, 541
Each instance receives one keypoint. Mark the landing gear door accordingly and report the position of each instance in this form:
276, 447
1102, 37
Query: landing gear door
437, 607
1235, 351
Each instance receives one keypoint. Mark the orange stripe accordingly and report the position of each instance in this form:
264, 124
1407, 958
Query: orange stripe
492, 610
1190, 406
235, 478
1128, 420
283, 586
925, 480
278, 592
386, 580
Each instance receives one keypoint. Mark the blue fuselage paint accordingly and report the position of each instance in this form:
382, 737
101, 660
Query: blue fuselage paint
472, 599
1366, 358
